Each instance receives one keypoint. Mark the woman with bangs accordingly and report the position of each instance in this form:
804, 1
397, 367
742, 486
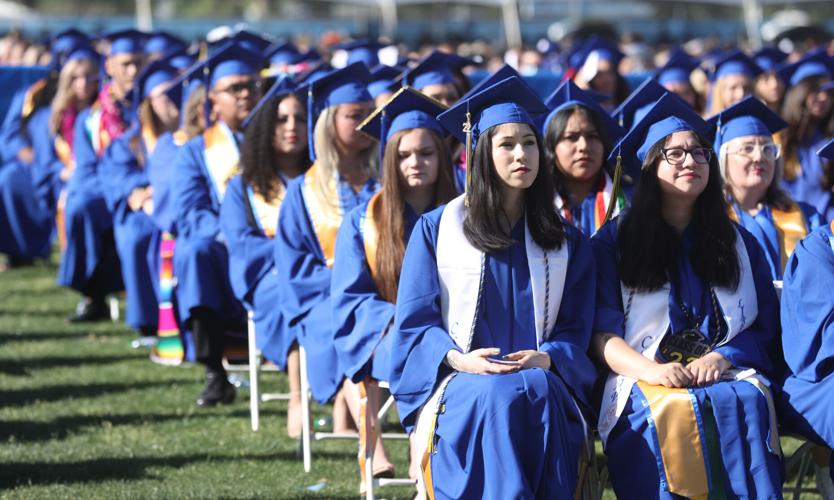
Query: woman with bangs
342, 176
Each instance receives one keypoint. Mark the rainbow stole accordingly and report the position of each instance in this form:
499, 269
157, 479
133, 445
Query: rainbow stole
601, 201
370, 233
30, 96
99, 137
168, 349
791, 226
325, 219
265, 212
221, 156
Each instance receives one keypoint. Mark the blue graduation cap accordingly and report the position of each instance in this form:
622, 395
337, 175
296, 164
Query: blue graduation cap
629, 112
311, 56
502, 73
185, 84
129, 41
735, 63
154, 74
281, 53
315, 72
435, 68
179, 59
251, 41
161, 42
827, 151
83, 53
677, 69
232, 59
68, 40
568, 94
508, 101
750, 116
382, 77
283, 86
595, 48
407, 109
815, 63
364, 50
341, 86
769, 58
666, 116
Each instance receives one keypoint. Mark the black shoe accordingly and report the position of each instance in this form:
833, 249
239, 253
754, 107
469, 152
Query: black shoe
89, 310
218, 390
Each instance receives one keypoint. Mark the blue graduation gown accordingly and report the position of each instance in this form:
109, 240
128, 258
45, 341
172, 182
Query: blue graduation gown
303, 271
762, 227
253, 274
160, 172
806, 187
500, 436
739, 411
88, 221
807, 329
360, 314
27, 198
201, 262
120, 174
583, 215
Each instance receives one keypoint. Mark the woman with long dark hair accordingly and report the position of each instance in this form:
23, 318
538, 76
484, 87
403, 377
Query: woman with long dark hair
578, 135
493, 318
416, 178
809, 111
274, 152
686, 321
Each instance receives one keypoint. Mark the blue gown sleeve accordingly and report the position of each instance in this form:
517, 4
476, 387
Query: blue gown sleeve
10, 135
756, 347
250, 251
571, 335
813, 217
420, 341
808, 308
196, 215
85, 176
360, 314
47, 166
609, 316
120, 172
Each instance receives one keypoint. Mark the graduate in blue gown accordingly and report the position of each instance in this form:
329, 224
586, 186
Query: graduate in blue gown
594, 65
578, 135
731, 81
274, 152
808, 109
493, 318
416, 177
807, 305
129, 195
202, 170
342, 177
90, 264
770, 87
747, 157
675, 76
686, 321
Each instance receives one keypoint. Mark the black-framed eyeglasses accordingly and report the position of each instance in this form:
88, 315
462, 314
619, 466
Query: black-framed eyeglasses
238, 88
676, 156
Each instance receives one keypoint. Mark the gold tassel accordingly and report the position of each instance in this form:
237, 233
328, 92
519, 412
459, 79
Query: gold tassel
467, 129
615, 190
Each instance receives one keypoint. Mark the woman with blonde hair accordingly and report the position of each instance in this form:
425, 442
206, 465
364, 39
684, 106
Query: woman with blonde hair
343, 176
731, 81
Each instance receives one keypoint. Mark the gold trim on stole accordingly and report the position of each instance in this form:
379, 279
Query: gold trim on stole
325, 222
673, 417
217, 142
149, 137
29, 99
792, 229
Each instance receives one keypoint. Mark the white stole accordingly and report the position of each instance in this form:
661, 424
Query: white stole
648, 321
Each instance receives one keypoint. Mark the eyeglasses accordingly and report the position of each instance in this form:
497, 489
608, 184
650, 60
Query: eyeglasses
238, 88
769, 151
676, 156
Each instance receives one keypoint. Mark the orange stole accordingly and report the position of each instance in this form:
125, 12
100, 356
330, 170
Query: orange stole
180, 137
325, 222
791, 226
29, 99
673, 417
370, 233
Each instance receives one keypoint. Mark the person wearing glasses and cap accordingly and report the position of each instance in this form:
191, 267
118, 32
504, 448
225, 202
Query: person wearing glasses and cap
686, 320
202, 171
90, 264
809, 111
493, 319
274, 152
807, 306
416, 178
123, 173
343, 176
748, 159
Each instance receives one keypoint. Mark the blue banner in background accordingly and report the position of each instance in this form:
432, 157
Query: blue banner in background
14, 78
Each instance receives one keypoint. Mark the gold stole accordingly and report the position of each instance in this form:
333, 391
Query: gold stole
149, 137
266, 212
62, 150
180, 137
221, 157
29, 99
325, 220
791, 226
370, 233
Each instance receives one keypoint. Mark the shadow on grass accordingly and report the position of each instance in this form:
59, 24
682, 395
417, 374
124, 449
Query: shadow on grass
23, 397
125, 469
25, 365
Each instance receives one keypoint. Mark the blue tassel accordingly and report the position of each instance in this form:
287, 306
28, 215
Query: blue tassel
383, 139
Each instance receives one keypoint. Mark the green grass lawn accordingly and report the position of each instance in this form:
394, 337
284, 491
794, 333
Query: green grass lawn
82, 415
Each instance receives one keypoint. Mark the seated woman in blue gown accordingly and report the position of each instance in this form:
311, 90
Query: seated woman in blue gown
808, 109
274, 152
493, 318
123, 172
578, 135
748, 159
807, 306
731, 81
416, 178
342, 177
686, 321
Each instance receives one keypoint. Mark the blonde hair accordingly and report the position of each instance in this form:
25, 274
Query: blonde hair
718, 102
194, 121
64, 96
774, 195
328, 158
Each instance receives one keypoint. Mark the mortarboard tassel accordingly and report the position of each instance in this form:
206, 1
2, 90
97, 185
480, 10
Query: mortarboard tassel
615, 189
467, 129
311, 124
383, 134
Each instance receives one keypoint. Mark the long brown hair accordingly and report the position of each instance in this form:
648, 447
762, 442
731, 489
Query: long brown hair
64, 96
801, 127
391, 246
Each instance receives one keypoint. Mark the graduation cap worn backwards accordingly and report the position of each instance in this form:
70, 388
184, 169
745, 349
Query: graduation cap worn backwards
815, 63
434, 69
750, 116
128, 41
568, 94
